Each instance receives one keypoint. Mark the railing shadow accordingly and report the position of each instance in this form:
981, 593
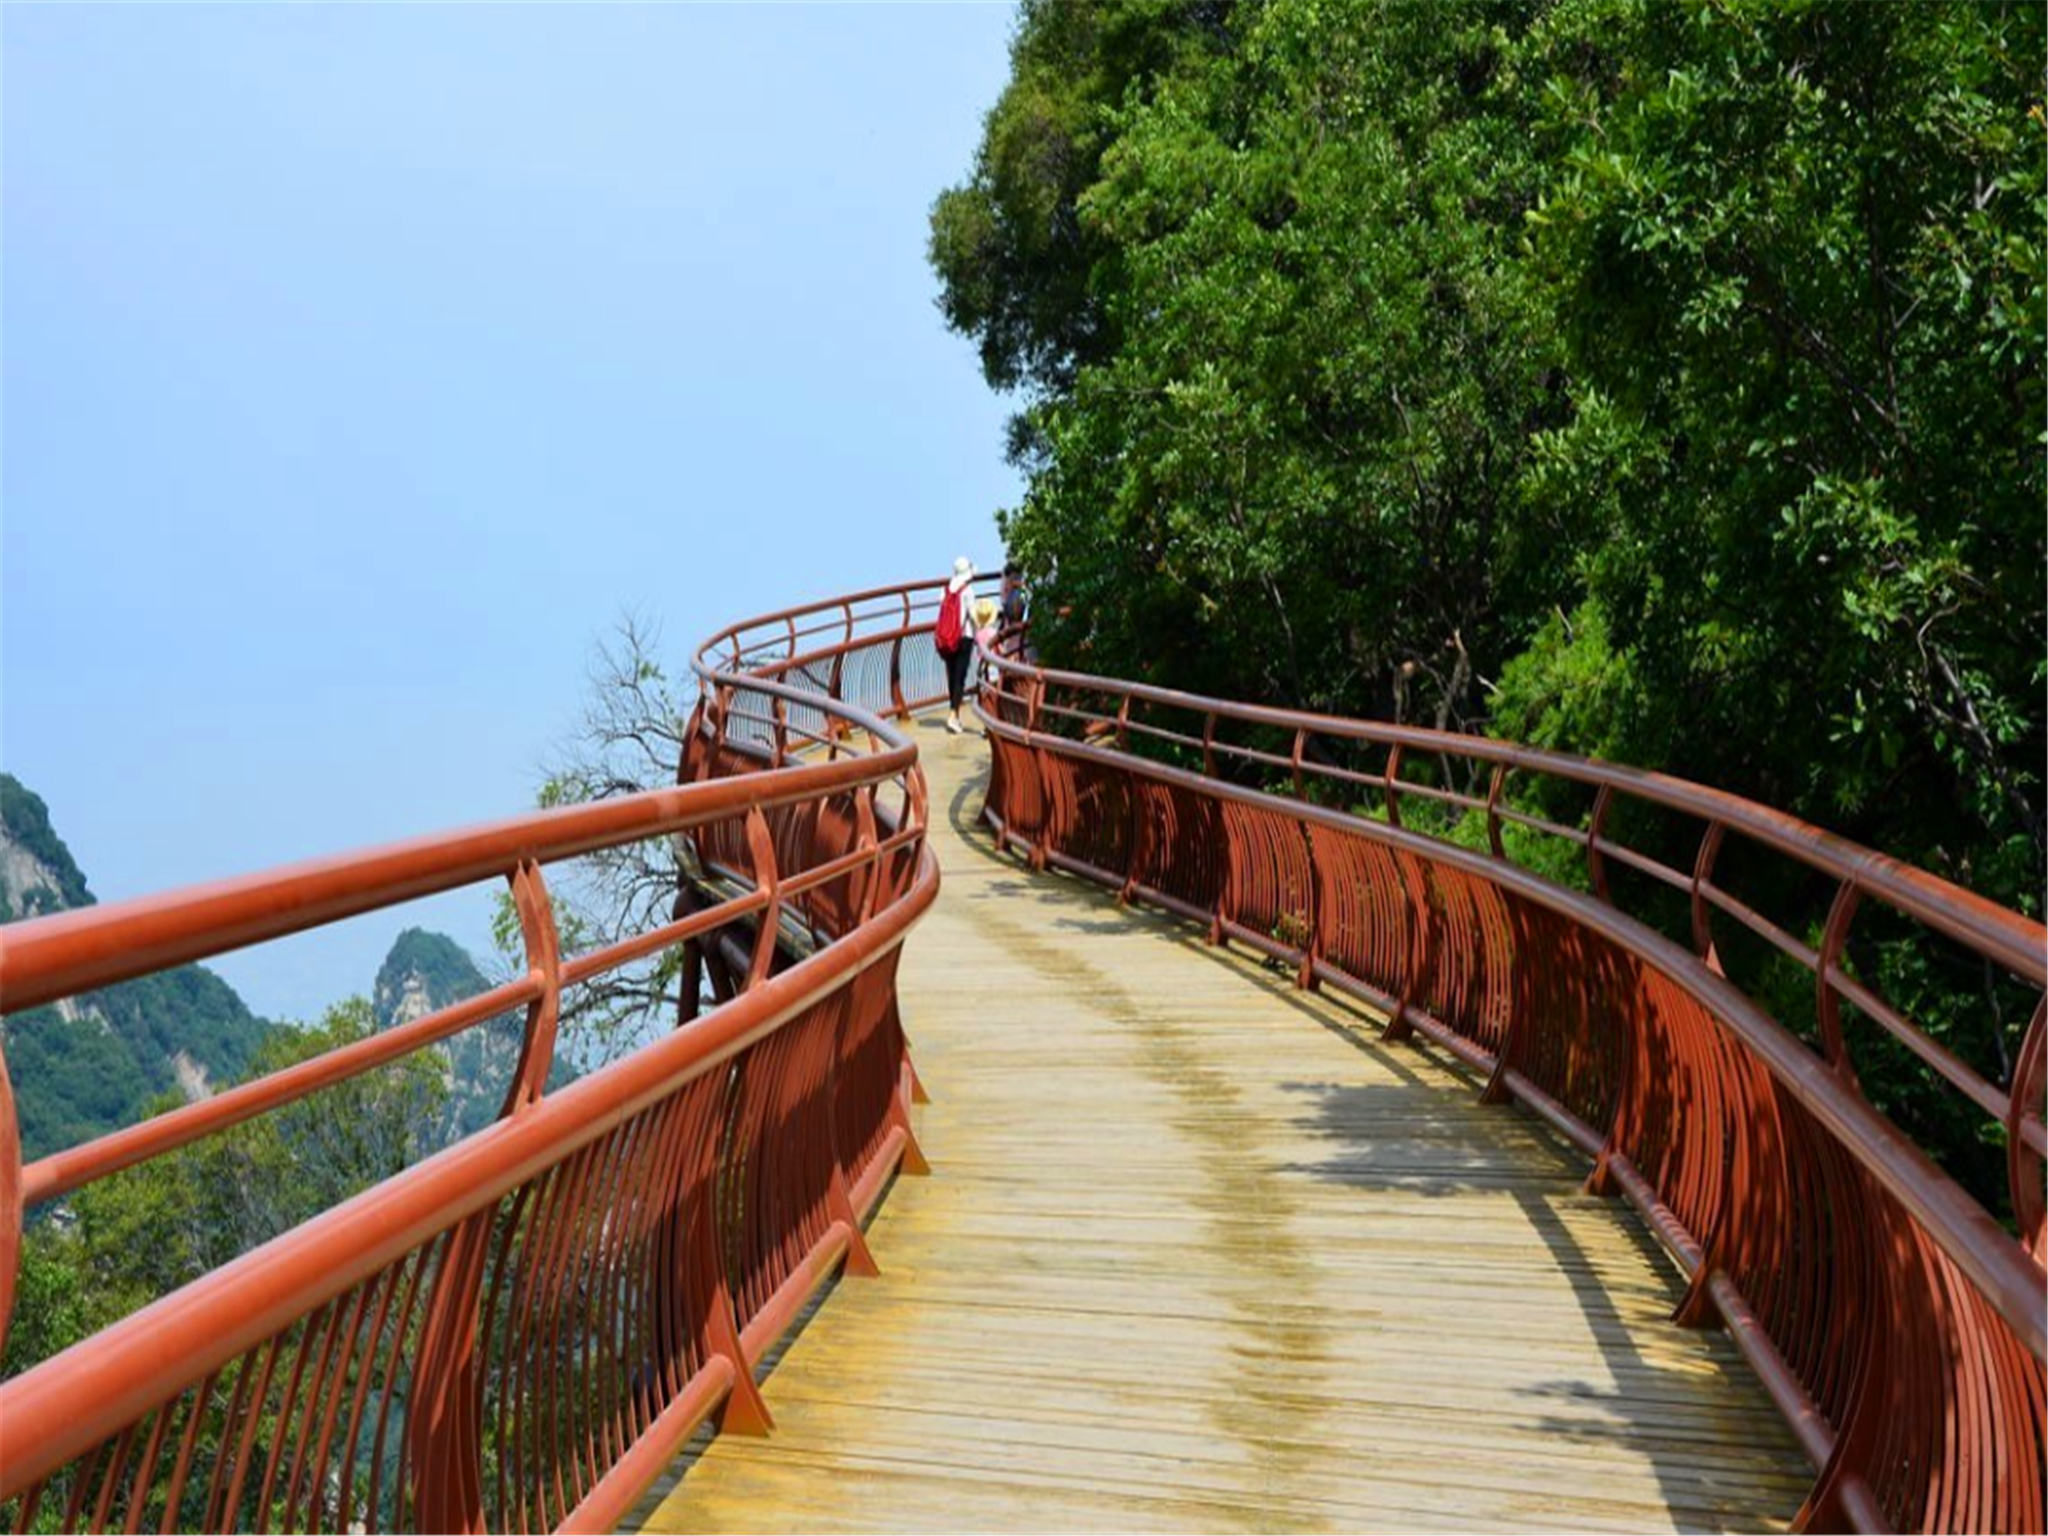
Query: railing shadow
1580, 1410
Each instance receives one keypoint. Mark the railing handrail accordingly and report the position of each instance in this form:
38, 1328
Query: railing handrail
213, 1321
1899, 1327
86, 948
2016, 942
62, 1408
1986, 1251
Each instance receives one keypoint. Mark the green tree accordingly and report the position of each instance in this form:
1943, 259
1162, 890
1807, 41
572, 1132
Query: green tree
1287, 464
1659, 379
127, 1239
1796, 252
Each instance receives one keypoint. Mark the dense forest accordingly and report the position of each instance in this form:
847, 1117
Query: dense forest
1655, 380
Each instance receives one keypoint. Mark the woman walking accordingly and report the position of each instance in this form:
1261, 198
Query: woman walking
954, 636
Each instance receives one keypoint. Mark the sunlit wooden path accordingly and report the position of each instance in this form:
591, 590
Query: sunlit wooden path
1198, 1254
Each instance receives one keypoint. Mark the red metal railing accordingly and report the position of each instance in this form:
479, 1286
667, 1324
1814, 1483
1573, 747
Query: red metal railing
520, 1331
1898, 1325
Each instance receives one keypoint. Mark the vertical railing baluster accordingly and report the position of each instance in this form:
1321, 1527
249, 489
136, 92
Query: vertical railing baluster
1828, 1001
10, 1198
1596, 828
1702, 911
2023, 1163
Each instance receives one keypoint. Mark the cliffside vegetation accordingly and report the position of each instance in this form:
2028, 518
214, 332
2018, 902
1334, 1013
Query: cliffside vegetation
91, 1065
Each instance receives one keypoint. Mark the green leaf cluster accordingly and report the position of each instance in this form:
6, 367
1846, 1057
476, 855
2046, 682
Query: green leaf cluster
1654, 379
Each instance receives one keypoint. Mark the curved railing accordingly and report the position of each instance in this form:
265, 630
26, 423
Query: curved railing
1897, 1324
521, 1331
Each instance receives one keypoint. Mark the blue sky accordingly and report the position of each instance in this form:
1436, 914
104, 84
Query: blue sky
362, 364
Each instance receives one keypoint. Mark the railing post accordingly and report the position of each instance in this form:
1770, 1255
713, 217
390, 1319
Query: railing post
1209, 745
867, 838
835, 725
899, 708
744, 1412
2023, 1164
1596, 828
10, 1198
761, 845
1390, 785
1493, 837
1702, 913
1311, 939
543, 947
1134, 789
1827, 1003
1225, 909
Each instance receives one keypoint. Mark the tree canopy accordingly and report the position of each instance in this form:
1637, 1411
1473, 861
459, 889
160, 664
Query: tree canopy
1656, 380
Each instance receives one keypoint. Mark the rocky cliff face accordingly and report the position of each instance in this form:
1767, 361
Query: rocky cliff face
428, 971
87, 1065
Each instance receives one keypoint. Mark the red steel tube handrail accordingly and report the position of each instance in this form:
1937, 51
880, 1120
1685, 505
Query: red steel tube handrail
1987, 1251
99, 1392
91, 947
2005, 938
2015, 942
83, 1396
1930, 1363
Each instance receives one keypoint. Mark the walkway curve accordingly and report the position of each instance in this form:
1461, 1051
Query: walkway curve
1199, 1253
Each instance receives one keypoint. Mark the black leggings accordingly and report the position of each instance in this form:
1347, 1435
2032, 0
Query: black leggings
958, 663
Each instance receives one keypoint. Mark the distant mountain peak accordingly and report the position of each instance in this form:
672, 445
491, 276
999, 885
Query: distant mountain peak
37, 873
423, 972
84, 1065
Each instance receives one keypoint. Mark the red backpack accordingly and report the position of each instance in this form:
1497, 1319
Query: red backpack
952, 626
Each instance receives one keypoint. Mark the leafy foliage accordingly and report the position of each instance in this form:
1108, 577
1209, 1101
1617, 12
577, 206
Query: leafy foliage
1654, 379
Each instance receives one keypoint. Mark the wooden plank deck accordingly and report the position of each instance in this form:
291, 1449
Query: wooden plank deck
1198, 1254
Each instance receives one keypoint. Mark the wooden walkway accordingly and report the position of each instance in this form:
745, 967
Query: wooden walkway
1197, 1253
